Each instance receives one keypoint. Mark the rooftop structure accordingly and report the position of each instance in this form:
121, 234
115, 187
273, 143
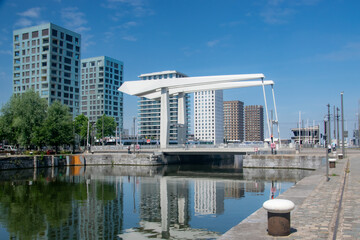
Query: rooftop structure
306, 135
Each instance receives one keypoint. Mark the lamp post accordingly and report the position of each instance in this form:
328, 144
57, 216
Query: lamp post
103, 130
342, 124
337, 128
327, 134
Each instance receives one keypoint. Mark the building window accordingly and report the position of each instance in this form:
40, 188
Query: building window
45, 32
69, 38
35, 34
69, 46
25, 36
54, 32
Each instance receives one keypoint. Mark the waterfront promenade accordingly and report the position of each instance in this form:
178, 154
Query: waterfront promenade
324, 209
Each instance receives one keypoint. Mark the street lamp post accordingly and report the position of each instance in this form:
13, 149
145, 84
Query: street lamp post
327, 135
337, 128
342, 124
103, 130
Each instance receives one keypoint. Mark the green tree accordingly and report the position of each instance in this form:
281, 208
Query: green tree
108, 124
58, 125
22, 118
80, 125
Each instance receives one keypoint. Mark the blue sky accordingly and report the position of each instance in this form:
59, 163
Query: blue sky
310, 48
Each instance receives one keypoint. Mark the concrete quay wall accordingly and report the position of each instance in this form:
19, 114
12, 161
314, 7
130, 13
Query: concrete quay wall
282, 161
25, 162
142, 159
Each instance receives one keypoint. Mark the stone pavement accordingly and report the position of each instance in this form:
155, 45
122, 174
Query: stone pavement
320, 210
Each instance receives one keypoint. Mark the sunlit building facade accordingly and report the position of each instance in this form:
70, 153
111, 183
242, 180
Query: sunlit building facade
209, 116
254, 123
46, 58
100, 79
149, 110
234, 121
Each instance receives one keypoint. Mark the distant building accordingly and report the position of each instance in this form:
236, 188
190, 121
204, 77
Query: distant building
149, 110
209, 116
234, 121
100, 79
308, 135
254, 123
46, 58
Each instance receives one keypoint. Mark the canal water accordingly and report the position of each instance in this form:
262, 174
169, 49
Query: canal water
135, 202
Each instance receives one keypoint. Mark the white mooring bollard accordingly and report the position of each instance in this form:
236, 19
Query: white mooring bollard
279, 216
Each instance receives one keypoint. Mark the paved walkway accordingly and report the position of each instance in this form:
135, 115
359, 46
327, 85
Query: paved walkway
320, 210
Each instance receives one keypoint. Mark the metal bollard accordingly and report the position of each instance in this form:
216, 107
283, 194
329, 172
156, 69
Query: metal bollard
332, 162
279, 216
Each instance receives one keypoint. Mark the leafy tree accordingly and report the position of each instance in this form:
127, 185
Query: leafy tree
58, 125
22, 117
80, 125
109, 126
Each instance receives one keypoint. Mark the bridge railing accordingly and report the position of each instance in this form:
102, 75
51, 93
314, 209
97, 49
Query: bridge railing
186, 146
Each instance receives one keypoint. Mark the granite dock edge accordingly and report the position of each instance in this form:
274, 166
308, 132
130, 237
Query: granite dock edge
316, 208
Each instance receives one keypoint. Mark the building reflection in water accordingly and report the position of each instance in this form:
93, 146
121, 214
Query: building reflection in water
208, 197
167, 203
98, 214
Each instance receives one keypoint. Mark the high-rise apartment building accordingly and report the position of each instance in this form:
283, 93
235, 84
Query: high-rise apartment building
47, 59
234, 121
149, 110
209, 116
254, 123
100, 79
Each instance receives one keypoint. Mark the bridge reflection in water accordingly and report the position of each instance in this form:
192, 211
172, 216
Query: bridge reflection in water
134, 202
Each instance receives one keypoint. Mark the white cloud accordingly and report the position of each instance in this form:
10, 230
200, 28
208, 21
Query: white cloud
86, 41
31, 13
129, 24
232, 24
23, 22
29, 17
135, 8
280, 11
212, 43
130, 38
276, 15
188, 52
350, 51
74, 19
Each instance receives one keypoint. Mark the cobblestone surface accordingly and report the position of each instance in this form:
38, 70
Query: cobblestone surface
317, 206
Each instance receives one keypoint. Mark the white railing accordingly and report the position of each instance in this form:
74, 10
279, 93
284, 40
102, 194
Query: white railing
259, 146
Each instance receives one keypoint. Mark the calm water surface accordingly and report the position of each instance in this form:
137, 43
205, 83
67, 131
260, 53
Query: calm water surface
127, 202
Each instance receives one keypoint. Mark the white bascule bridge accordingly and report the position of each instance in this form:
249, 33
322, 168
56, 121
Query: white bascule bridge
162, 89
